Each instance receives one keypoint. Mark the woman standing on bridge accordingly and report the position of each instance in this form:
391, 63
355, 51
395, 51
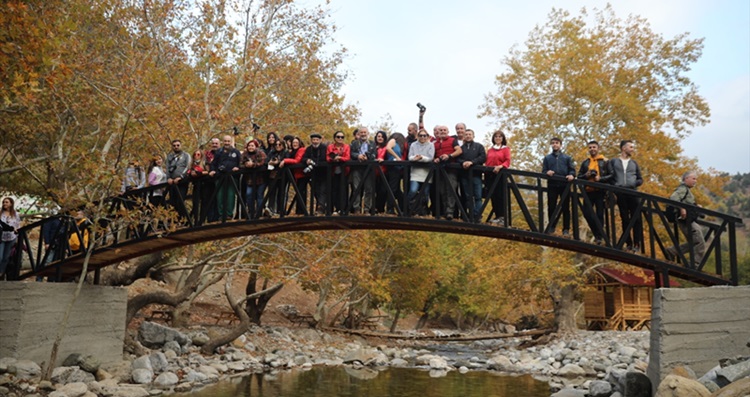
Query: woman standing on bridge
156, 176
498, 157
11, 221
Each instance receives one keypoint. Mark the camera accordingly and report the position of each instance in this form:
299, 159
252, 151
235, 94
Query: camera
222, 168
332, 156
593, 172
309, 167
421, 107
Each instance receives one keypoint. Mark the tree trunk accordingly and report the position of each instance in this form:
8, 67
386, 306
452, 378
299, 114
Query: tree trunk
563, 299
395, 320
256, 302
112, 276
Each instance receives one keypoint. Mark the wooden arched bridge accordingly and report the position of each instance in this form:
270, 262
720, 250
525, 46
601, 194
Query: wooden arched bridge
130, 227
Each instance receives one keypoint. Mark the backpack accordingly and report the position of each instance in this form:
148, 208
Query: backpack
672, 213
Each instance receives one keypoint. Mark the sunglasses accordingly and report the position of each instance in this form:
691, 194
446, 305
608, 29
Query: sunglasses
339, 137
422, 136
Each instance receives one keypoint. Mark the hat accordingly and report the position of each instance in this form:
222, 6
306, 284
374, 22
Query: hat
316, 135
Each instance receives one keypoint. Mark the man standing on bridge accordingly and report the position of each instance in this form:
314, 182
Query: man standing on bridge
626, 174
178, 164
686, 222
226, 161
558, 164
594, 169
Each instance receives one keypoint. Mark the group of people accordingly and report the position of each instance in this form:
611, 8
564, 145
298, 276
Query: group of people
371, 189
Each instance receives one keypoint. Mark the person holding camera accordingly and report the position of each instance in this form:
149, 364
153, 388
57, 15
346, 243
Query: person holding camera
276, 183
686, 222
226, 161
178, 164
594, 169
315, 155
296, 156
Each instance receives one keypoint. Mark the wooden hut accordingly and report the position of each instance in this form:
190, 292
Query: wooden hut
617, 300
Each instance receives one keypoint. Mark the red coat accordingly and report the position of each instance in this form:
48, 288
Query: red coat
344, 151
297, 159
497, 157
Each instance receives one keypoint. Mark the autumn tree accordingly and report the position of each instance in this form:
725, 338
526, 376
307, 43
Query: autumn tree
599, 77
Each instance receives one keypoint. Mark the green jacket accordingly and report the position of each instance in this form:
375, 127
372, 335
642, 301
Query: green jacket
683, 191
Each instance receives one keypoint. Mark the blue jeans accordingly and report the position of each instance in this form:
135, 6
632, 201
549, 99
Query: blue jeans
472, 186
254, 200
5, 248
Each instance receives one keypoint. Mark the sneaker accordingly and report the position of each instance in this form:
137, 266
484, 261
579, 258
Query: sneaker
449, 217
267, 212
566, 233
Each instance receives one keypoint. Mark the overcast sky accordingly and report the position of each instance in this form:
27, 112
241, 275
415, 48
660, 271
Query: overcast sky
446, 54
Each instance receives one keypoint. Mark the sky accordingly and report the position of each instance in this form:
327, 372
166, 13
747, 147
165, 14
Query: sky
446, 54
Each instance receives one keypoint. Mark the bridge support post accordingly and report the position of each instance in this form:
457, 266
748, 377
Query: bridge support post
31, 312
697, 327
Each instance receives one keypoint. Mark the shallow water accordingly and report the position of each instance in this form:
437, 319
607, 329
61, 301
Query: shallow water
366, 382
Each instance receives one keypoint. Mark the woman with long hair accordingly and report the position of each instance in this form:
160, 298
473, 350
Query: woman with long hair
156, 176
381, 190
498, 157
295, 157
254, 159
11, 221
276, 186
271, 139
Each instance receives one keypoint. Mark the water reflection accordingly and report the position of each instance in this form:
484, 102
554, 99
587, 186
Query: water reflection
367, 382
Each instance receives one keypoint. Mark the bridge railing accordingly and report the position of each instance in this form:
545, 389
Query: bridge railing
518, 198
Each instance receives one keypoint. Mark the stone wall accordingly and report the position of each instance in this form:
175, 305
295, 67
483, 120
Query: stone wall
697, 327
31, 313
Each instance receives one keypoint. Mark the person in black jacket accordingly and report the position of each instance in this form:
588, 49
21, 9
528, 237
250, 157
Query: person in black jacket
362, 149
558, 164
315, 158
472, 154
226, 160
594, 169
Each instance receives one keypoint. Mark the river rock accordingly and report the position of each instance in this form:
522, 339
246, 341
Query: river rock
64, 375
734, 372
159, 362
199, 339
210, 372
166, 380
637, 384
172, 346
87, 363
500, 363
399, 362
193, 376
569, 393
438, 363
142, 376
740, 388
27, 369
571, 371
677, 386
142, 362
75, 389
154, 335
600, 388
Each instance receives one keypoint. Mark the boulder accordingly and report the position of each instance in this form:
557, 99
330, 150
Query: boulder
166, 380
571, 371
600, 388
399, 362
568, 392
87, 363
26, 369
158, 361
500, 363
740, 388
637, 384
75, 389
438, 363
153, 335
142, 362
734, 372
64, 375
142, 376
677, 386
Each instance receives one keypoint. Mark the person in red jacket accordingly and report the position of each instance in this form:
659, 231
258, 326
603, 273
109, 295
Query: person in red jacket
446, 151
295, 156
338, 152
498, 157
